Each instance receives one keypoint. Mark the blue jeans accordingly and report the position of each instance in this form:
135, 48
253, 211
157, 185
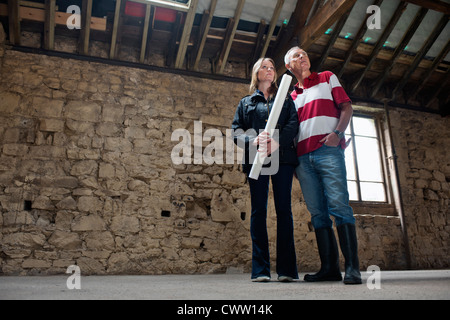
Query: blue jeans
286, 258
323, 179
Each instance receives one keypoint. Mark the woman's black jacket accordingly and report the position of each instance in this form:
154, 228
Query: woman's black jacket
253, 113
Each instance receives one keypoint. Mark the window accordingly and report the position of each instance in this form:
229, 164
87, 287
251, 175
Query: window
365, 171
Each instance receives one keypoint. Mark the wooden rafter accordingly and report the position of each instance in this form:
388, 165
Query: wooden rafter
199, 37
150, 29
258, 43
14, 21
362, 30
430, 71
273, 24
423, 78
204, 30
145, 32
49, 25
170, 57
115, 30
222, 61
289, 37
399, 50
318, 4
36, 12
386, 33
217, 61
184, 42
435, 5
333, 38
325, 17
444, 84
86, 14
365, 49
420, 55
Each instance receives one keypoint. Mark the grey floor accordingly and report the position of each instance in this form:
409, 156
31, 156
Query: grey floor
396, 285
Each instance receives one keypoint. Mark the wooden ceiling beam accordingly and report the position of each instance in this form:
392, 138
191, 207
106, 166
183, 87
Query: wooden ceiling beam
14, 22
150, 30
177, 26
435, 5
356, 41
115, 29
381, 42
443, 108
186, 34
36, 12
86, 14
426, 77
204, 31
221, 63
420, 55
365, 49
399, 50
289, 37
258, 44
297, 23
325, 17
49, 25
217, 61
333, 38
273, 24
145, 32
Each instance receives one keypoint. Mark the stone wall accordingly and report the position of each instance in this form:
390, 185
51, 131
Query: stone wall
423, 142
86, 177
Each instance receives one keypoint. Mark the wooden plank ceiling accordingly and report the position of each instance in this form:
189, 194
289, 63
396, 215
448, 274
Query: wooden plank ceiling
186, 36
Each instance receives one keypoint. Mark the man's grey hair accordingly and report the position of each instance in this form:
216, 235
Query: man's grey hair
287, 57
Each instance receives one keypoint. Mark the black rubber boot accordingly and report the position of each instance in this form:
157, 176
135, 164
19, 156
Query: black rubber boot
349, 248
329, 257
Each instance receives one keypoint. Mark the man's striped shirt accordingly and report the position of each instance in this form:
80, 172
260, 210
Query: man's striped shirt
318, 109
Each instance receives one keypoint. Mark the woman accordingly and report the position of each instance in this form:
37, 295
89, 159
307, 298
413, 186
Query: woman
251, 116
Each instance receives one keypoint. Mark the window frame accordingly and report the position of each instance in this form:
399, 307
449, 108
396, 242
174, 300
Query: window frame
387, 205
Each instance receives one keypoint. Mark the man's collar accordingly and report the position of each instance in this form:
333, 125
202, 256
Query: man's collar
313, 76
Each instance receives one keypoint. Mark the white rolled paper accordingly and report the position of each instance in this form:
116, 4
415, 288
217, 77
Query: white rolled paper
272, 122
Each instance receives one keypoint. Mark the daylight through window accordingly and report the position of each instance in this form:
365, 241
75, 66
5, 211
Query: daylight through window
365, 176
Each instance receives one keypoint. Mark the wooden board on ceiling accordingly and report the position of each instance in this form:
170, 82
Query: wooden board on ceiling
38, 15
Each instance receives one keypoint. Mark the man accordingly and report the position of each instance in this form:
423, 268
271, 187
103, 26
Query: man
324, 111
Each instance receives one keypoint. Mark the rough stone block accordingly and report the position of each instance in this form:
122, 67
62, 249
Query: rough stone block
9, 103
83, 111
65, 240
45, 107
51, 125
15, 149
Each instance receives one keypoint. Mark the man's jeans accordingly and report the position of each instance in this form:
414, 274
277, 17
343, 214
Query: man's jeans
286, 257
323, 179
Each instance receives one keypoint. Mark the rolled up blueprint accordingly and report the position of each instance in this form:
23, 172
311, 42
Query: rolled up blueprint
271, 123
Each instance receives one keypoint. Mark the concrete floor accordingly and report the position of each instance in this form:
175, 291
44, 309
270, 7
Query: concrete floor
394, 285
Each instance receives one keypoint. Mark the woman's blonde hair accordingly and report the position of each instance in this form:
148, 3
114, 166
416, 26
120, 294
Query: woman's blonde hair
255, 81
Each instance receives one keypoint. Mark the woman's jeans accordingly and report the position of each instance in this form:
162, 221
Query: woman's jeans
323, 179
259, 189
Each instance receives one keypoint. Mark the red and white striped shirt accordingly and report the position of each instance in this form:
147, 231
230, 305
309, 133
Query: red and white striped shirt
318, 110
